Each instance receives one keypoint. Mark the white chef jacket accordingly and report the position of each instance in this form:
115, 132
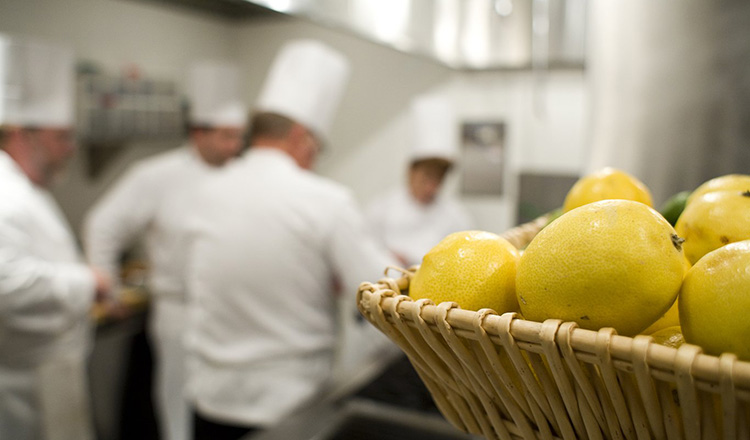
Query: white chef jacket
269, 239
45, 295
411, 229
152, 202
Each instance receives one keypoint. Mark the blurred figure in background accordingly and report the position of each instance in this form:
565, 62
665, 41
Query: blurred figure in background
269, 238
46, 292
412, 220
152, 202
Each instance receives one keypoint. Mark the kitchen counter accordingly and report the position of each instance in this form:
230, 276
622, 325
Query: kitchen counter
392, 405
120, 370
361, 419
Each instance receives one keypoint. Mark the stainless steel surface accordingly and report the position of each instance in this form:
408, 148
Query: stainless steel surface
111, 355
233, 9
357, 419
671, 90
461, 34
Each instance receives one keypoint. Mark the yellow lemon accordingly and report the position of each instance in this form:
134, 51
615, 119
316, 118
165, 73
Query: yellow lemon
730, 182
607, 183
669, 319
670, 336
713, 220
686, 262
612, 263
476, 269
714, 301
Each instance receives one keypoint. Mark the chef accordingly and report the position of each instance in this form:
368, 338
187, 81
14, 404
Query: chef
270, 236
151, 202
46, 291
413, 219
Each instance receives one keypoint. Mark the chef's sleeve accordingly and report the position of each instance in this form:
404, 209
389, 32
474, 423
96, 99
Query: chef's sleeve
356, 254
118, 220
36, 294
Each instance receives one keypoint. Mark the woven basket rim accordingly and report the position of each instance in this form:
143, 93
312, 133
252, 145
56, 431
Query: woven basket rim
394, 305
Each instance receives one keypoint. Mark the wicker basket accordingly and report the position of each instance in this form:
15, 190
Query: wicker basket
503, 377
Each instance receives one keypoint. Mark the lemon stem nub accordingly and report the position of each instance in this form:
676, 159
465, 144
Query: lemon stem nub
746, 194
677, 241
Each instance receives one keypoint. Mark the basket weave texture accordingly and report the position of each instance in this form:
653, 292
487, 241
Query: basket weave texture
503, 377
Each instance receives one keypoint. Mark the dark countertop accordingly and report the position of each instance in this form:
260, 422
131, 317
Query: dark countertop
395, 405
120, 375
362, 419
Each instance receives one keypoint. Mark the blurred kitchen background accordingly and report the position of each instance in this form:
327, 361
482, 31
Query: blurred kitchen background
659, 89
544, 89
483, 55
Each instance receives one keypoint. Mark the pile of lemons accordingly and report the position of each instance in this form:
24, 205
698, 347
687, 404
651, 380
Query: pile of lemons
612, 260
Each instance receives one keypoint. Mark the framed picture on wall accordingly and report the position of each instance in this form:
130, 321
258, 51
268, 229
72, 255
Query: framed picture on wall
483, 145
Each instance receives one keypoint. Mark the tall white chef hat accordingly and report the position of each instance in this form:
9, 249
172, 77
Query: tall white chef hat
36, 83
434, 129
214, 94
306, 83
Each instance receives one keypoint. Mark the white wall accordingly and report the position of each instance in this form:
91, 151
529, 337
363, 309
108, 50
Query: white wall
546, 122
368, 144
546, 133
116, 33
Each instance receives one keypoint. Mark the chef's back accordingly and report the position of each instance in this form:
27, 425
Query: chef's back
269, 239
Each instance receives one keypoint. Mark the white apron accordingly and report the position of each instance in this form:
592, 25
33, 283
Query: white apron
167, 329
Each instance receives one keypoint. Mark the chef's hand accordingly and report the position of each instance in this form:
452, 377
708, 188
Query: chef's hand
103, 284
116, 310
403, 260
109, 306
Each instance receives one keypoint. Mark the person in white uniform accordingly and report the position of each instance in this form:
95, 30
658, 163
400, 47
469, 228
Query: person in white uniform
412, 219
151, 203
46, 291
269, 239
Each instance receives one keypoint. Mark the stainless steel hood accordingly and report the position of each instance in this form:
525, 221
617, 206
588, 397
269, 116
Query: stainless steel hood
462, 34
